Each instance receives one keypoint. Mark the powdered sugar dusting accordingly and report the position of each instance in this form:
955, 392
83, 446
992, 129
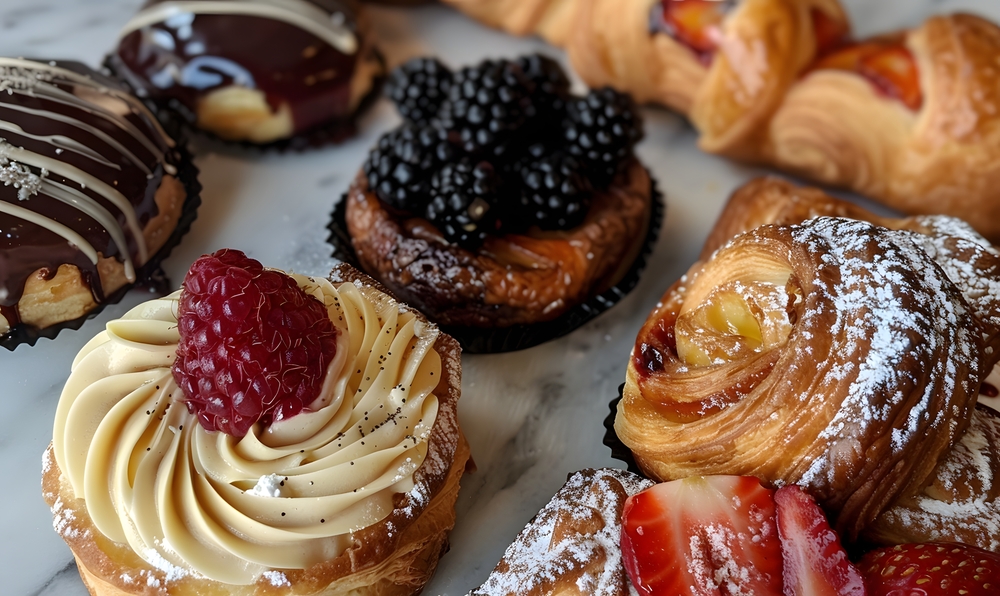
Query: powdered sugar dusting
960, 504
538, 560
895, 313
276, 578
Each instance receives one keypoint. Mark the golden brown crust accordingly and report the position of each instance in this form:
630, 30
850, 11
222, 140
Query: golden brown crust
571, 547
805, 409
513, 279
396, 556
65, 296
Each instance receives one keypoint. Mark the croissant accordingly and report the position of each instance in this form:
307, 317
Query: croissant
908, 118
836, 354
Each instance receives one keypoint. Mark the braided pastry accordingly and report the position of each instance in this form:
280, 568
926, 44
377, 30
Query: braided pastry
909, 118
828, 354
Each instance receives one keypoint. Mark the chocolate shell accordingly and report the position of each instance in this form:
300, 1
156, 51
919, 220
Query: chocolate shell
95, 194
262, 72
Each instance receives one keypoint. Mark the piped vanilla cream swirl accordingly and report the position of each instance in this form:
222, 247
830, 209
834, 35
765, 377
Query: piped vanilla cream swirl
285, 496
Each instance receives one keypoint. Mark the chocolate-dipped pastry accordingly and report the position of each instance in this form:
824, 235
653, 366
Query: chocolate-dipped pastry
91, 191
251, 70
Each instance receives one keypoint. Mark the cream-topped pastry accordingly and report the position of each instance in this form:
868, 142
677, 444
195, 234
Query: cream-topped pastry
370, 455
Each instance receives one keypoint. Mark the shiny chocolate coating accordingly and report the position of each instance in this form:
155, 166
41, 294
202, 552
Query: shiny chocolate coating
81, 161
203, 45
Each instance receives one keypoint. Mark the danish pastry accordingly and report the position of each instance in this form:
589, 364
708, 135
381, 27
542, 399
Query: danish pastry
503, 202
907, 118
827, 354
93, 191
350, 492
254, 71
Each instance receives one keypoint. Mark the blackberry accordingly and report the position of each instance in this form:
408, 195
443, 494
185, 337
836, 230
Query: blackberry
551, 84
464, 202
418, 88
400, 167
487, 107
601, 129
554, 191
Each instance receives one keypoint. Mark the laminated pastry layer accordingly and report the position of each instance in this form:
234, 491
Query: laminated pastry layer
824, 354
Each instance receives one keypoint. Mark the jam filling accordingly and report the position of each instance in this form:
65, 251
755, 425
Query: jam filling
697, 24
887, 64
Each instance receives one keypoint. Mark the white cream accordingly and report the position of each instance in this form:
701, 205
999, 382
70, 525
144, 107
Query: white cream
205, 502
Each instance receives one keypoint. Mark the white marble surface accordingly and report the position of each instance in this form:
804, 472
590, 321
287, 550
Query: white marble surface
532, 417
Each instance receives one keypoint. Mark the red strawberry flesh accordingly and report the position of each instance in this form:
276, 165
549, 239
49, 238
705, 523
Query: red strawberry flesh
253, 346
703, 535
815, 563
931, 569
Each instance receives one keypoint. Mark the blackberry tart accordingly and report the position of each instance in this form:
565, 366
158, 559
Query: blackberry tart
511, 216
94, 194
256, 71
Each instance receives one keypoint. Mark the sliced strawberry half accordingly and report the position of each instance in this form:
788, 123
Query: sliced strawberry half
933, 569
815, 562
711, 535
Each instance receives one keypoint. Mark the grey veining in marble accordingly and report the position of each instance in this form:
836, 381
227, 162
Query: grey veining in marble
532, 417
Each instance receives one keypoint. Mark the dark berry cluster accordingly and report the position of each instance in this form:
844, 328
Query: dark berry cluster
501, 146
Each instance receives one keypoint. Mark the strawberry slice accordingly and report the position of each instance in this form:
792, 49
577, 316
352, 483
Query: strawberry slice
711, 535
934, 568
695, 23
815, 562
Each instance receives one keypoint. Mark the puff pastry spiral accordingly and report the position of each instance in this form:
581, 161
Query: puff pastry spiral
910, 119
835, 354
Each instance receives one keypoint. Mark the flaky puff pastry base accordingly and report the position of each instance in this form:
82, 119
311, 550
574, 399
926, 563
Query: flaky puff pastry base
856, 402
514, 279
395, 557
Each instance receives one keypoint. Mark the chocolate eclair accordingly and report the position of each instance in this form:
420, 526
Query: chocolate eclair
94, 193
505, 208
257, 71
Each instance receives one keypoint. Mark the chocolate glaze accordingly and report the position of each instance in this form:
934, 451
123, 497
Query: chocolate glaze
88, 125
180, 60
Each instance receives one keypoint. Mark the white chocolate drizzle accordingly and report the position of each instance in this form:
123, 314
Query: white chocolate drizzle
61, 86
300, 13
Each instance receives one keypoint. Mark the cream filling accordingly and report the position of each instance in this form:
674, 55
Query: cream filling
288, 496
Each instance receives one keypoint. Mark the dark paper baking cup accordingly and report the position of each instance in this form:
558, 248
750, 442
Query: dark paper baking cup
618, 449
149, 274
478, 340
175, 117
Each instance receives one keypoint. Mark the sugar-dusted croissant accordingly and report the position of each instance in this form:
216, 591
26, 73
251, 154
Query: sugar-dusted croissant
910, 119
835, 354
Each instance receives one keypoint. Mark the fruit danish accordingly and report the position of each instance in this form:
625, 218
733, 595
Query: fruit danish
503, 202
258, 71
907, 118
835, 354
94, 193
259, 433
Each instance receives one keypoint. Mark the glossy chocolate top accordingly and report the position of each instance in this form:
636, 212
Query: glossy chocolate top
80, 162
296, 52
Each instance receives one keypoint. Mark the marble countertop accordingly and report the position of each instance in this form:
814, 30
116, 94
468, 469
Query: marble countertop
532, 417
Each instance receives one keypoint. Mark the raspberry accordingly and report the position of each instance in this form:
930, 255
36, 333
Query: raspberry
253, 347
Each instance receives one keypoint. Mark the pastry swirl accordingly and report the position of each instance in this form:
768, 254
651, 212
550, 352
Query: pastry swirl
368, 459
824, 354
